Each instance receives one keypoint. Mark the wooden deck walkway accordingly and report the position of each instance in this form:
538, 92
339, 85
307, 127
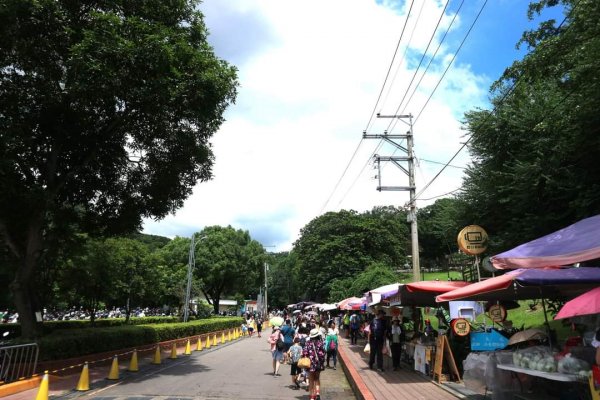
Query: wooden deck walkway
404, 384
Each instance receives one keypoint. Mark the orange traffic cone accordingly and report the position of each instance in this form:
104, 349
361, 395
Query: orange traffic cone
42, 393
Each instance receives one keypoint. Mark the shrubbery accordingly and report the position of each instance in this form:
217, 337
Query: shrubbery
70, 342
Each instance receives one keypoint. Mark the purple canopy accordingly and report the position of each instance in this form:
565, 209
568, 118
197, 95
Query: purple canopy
575, 243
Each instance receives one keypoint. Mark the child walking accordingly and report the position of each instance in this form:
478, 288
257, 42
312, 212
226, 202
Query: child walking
294, 354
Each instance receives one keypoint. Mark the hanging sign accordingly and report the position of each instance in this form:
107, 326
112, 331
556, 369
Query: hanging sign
461, 327
472, 240
497, 313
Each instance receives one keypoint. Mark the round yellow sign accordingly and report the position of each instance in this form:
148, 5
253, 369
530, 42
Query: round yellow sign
461, 327
497, 313
472, 240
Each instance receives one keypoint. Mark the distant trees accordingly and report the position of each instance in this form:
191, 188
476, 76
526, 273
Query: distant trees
337, 246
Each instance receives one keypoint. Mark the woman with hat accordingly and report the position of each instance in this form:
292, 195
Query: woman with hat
315, 351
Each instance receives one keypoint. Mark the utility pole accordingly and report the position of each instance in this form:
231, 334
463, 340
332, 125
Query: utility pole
409, 159
266, 312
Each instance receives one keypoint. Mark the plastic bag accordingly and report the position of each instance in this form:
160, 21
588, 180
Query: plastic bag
367, 348
571, 365
539, 358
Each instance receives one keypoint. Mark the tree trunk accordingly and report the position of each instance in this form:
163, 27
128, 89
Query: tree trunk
22, 285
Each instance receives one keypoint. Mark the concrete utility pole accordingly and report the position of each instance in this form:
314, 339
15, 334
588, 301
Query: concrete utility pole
410, 171
266, 311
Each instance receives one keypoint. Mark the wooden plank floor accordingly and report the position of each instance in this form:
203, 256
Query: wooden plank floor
404, 384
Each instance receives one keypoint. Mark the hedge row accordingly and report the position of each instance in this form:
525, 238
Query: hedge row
69, 343
48, 327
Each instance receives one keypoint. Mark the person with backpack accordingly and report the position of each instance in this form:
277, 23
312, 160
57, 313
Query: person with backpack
354, 328
377, 333
276, 342
331, 344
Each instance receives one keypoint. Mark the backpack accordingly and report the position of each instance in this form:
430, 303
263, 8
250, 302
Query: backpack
279, 345
331, 344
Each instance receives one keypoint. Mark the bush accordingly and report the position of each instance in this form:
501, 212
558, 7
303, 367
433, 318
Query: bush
69, 343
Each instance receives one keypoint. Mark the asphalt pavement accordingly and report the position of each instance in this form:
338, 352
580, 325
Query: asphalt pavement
240, 369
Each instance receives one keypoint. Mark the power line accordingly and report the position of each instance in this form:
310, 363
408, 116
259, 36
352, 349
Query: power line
504, 97
390, 67
422, 58
371, 116
451, 61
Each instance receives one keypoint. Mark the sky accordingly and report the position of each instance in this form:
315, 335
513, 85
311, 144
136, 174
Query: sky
313, 76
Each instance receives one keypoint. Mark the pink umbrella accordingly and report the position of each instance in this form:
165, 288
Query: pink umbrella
587, 303
351, 303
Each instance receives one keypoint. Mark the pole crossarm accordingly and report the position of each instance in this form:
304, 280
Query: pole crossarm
409, 159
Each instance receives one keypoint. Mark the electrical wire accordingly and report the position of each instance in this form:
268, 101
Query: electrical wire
515, 83
390, 67
422, 58
451, 61
371, 116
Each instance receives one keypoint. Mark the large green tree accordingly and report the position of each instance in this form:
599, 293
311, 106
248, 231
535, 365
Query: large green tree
106, 111
535, 165
339, 245
228, 261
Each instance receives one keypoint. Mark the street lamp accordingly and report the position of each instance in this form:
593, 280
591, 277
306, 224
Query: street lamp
191, 265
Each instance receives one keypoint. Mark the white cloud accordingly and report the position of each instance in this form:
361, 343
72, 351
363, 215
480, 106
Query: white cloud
310, 74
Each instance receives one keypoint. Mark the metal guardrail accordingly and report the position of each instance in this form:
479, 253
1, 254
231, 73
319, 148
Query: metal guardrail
19, 361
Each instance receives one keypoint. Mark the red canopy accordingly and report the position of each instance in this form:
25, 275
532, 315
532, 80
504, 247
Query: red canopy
435, 286
351, 303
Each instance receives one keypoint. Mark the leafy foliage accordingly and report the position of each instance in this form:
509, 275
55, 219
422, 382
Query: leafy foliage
107, 111
336, 246
535, 164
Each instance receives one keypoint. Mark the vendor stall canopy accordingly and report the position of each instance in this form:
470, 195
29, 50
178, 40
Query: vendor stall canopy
574, 244
524, 284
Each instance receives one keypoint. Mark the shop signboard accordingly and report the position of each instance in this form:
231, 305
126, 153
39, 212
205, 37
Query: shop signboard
488, 341
472, 240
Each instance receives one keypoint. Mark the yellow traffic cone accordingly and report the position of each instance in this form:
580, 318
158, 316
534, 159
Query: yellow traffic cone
173, 351
199, 344
133, 364
188, 348
237, 333
222, 337
114, 369
84, 379
208, 342
214, 340
229, 335
42, 393
156, 359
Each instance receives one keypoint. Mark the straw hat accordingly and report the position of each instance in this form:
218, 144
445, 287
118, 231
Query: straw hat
314, 333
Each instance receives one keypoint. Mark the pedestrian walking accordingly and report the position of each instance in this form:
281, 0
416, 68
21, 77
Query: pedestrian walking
276, 353
259, 324
314, 350
377, 333
354, 328
331, 344
294, 354
395, 338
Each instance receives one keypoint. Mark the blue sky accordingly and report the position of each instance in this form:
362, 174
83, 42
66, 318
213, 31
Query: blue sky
310, 75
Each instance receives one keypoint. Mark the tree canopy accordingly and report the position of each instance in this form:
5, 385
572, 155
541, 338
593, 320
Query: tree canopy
339, 245
106, 111
535, 165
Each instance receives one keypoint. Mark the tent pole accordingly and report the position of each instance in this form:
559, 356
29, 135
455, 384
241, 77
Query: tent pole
546, 319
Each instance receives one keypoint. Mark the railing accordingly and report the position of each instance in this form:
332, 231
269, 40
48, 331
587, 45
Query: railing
18, 362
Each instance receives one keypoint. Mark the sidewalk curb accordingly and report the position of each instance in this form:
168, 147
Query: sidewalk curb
360, 389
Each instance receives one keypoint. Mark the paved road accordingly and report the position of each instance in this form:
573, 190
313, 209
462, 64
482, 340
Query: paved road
237, 370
